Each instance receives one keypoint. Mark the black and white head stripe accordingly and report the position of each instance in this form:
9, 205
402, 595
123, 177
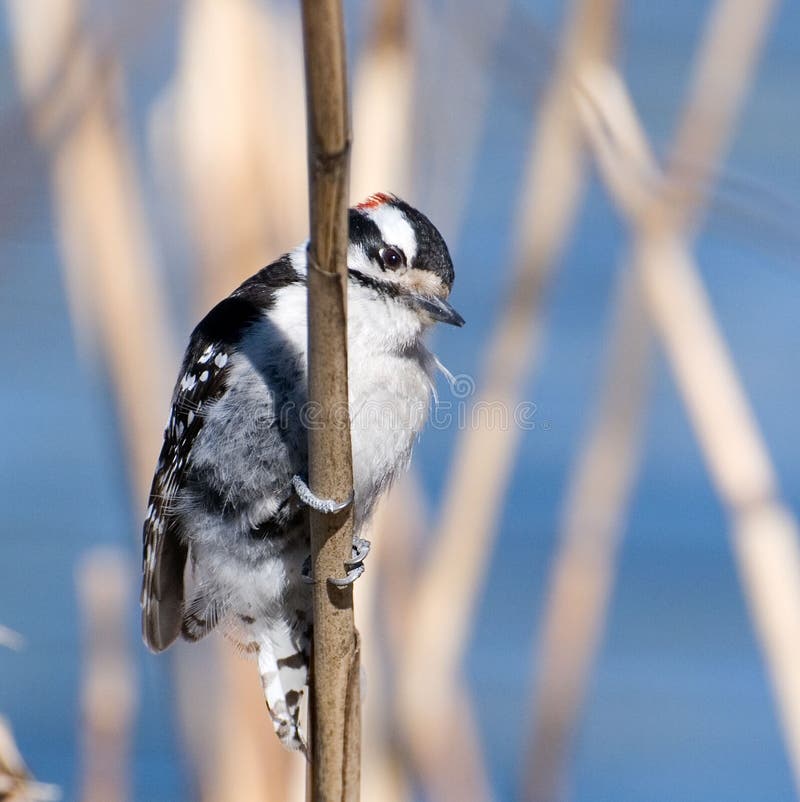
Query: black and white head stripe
386, 220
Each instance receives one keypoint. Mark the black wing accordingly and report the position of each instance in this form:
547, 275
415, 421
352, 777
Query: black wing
203, 380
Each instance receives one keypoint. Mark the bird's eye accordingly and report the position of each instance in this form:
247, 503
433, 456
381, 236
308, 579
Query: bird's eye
391, 258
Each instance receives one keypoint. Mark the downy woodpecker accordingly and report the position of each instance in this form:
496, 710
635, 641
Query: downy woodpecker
226, 535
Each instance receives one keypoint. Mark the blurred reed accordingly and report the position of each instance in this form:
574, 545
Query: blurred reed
584, 570
109, 695
382, 104
16, 783
457, 41
72, 91
381, 160
226, 140
226, 134
662, 212
75, 109
11, 639
444, 600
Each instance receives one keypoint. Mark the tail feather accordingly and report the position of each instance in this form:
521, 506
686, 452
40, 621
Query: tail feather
162, 588
283, 665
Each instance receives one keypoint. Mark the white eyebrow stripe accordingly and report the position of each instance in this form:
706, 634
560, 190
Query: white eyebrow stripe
395, 229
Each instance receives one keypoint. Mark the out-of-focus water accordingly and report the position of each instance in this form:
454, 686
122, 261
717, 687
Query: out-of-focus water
679, 706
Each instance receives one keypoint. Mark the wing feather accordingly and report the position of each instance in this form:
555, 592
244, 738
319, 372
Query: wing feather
203, 380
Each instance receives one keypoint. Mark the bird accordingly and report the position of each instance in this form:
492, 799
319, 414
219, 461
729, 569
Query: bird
226, 539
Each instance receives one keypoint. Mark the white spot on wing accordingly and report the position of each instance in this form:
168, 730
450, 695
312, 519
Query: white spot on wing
221, 360
204, 376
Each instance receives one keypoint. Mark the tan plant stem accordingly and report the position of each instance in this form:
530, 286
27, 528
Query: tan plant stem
335, 707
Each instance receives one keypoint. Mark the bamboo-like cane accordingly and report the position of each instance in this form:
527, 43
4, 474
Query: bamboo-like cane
109, 695
765, 534
335, 698
445, 599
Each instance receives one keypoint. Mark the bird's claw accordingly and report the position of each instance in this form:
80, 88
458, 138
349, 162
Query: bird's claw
360, 552
353, 574
326, 505
355, 565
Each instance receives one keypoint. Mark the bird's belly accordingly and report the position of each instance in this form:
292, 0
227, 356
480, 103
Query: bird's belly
389, 404
252, 590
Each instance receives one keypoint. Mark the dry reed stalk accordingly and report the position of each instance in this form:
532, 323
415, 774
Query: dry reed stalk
765, 535
108, 695
75, 113
382, 595
732, 43
335, 726
563, 680
381, 160
16, 783
460, 39
591, 529
382, 98
226, 133
445, 598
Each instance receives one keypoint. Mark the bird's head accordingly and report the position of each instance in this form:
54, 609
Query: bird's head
396, 251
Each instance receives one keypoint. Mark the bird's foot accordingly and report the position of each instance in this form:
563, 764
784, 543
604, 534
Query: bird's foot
326, 505
355, 565
360, 552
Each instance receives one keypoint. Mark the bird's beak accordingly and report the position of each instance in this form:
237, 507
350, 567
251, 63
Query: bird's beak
436, 308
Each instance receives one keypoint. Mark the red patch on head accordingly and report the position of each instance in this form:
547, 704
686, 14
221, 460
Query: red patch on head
375, 200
